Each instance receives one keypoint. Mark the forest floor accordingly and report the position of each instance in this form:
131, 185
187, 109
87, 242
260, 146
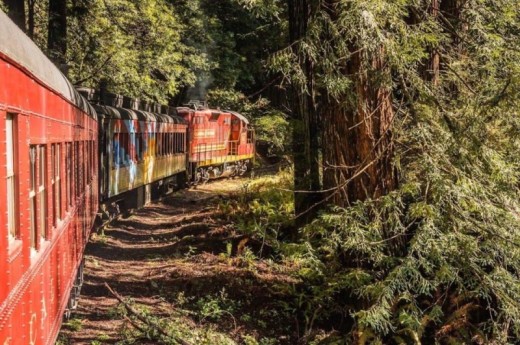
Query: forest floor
175, 264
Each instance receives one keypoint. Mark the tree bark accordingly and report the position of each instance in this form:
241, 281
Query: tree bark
305, 119
30, 23
432, 72
430, 67
57, 41
357, 136
450, 17
16, 11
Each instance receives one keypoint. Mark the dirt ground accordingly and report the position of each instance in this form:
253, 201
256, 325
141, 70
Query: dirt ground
173, 261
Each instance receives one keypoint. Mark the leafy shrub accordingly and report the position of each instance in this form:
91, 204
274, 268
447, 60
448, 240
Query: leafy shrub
271, 125
436, 260
263, 208
275, 130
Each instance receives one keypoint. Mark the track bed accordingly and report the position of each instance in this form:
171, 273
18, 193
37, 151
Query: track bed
173, 261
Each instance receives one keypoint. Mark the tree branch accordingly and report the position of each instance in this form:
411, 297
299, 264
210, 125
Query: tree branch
144, 319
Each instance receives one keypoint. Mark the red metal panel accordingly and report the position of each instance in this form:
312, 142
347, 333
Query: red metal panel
4, 238
35, 285
216, 140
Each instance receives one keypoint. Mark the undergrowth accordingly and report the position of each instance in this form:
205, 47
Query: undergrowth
436, 260
263, 209
200, 325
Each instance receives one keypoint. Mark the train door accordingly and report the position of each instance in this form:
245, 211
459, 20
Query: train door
235, 136
105, 153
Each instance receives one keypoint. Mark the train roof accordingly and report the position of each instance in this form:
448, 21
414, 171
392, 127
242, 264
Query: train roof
19, 49
234, 113
140, 115
240, 116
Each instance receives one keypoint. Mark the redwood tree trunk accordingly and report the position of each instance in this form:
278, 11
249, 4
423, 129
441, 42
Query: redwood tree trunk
451, 20
432, 72
430, 67
357, 136
16, 11
57, 42
305, 120
30, 11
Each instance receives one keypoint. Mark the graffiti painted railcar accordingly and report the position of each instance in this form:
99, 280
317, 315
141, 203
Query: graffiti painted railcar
141, 153
221, 143
48, 174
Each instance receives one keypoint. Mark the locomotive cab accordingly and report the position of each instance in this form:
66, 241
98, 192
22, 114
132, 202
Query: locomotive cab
221, 143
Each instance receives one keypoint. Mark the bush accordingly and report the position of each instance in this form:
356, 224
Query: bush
264, 208
437, 260
271, 125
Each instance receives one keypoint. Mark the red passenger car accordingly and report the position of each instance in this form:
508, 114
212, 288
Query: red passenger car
48, 174
221, 143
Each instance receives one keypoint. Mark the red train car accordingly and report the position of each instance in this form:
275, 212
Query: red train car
221, 143
48, 174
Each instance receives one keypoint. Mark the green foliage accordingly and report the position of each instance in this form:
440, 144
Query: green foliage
437, 260
74, 324
136, 46
249, 340
166, 50
440, 257
159, 49
214, 307
233, 33
176, 326
263, 209
275, 130
236, 100
271, 125
269, 9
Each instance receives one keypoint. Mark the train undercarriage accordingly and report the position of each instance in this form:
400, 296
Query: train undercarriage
203, 174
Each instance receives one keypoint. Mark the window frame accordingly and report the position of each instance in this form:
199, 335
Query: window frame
33, 207
13, 226
42, 191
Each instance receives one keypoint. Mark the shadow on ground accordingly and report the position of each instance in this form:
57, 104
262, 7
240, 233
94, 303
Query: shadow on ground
174, 255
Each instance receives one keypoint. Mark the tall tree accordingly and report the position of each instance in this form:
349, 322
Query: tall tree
16, 11
30, 19
304, 115
437, 259
357, 121
57, 40
430, 68
357, 138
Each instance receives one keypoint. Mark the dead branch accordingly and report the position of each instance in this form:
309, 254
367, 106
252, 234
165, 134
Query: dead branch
139, 316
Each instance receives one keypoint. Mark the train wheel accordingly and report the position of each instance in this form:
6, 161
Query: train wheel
198, 178
81, 273
242, 168
67, 314
217, 172
205, 176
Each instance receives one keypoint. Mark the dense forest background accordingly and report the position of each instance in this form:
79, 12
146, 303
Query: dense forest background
400, 119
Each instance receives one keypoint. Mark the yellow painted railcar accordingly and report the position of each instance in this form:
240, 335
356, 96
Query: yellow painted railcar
143, 155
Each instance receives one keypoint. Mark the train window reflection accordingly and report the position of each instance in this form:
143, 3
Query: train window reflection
12, 197
42, 193
68, 175
32, 195
57, 163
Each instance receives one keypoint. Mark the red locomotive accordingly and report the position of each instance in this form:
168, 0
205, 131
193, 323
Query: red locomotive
221, 143
63, 158
48, 137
